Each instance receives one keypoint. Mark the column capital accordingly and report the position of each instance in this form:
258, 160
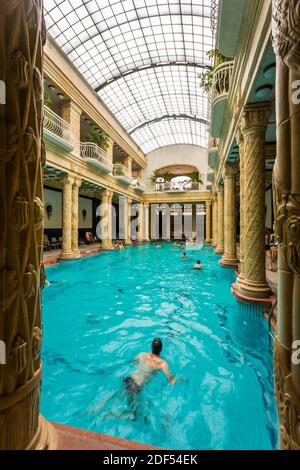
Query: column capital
255, 118
239, 136
208, 203
229, 170
77, 182
107, 194
66, 104
147, 204
67, 179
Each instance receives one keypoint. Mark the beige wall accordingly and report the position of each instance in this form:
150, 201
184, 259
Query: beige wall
55, 199
176, 154
86, 204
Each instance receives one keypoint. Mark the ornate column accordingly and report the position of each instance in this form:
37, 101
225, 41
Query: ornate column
146, 221
128, 221
110, 150
22, 154
240, 141
286, 20
229, 258
106, 223
220, 247
215, 221
208, 205
71, 113
255, 120
141, 222
67, 252
128, 164
75, 214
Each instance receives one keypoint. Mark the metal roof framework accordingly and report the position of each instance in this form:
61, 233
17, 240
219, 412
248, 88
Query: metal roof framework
143, 58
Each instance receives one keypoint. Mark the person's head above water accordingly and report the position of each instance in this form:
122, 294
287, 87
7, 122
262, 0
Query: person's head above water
156, 346
198, 262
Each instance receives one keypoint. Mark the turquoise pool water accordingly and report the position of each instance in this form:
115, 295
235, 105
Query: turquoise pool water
100, 312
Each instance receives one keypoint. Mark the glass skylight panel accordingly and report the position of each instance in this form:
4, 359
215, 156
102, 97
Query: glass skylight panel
106, 39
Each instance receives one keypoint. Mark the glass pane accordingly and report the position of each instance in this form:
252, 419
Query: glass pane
129, 51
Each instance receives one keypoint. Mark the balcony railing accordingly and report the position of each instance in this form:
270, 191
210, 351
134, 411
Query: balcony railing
96, 156
138, 185
122, 174
178, 188
57, 130
222, 79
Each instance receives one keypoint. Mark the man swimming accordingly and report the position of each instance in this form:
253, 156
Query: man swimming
197, 265
149, 363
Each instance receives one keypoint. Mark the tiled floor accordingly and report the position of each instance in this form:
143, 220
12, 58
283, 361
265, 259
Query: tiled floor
52, 257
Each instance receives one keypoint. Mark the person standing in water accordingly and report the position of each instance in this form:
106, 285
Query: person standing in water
148, 364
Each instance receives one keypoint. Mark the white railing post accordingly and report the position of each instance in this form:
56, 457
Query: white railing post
57, 126
222, 79
90, 150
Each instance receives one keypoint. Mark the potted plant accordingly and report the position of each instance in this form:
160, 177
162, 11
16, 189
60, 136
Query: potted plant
99, 138
118, 169
206, 78
156, 174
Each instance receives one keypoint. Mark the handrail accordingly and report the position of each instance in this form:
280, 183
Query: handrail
57, 126
92, 150
187, 186
222, 79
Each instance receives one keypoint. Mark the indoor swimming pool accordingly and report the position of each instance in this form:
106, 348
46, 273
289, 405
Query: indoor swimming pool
100, 312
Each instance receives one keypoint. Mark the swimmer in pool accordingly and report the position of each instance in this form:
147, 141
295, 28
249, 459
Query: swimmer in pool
148, 364
184, 256
197, 265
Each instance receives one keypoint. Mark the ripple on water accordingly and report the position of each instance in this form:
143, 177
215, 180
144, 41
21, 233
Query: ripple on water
110, 307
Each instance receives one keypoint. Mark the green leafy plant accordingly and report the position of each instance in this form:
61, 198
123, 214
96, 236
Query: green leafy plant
99, 138
167, 176
118, 169
206, 78
47, 98
195, 177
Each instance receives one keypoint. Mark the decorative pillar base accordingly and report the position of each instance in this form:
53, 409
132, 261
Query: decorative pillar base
253, 297
207, 240
77, 254
128, 242
219, 251
228, 262
106, 246
68, 256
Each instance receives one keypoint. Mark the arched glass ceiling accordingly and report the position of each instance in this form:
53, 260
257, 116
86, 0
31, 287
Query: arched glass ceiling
143, 58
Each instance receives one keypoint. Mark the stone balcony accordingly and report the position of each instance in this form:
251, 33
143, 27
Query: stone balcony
57, 131
96, 156
176, 188
213, 149
219, 96
121, 173
138, 185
